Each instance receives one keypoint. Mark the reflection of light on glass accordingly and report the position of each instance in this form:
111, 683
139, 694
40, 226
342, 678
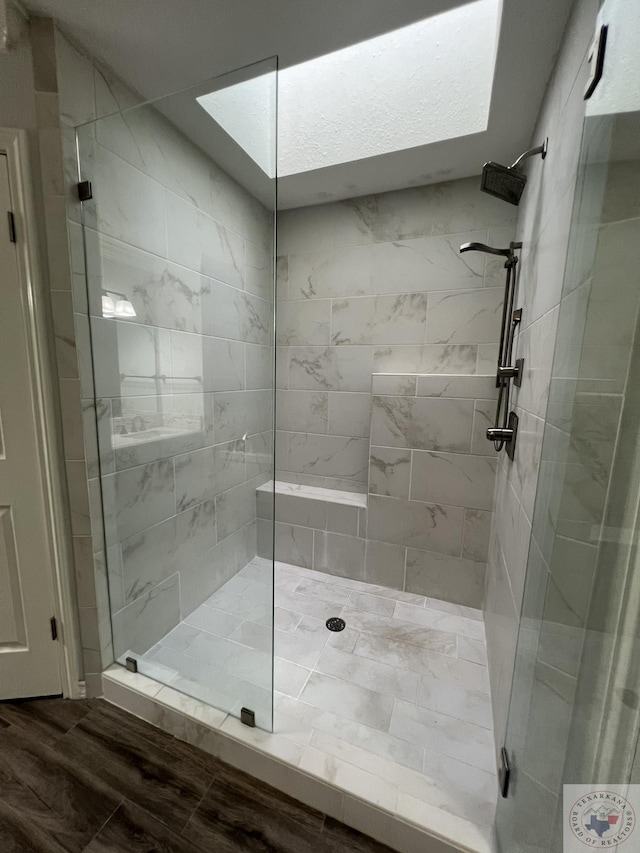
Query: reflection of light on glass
124, 309
108, 306
121, 308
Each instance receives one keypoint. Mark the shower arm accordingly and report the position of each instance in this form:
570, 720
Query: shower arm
539, 149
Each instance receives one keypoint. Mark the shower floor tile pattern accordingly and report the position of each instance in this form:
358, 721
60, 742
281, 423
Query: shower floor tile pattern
395, 708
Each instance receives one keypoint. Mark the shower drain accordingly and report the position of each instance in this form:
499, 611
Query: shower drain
336, 624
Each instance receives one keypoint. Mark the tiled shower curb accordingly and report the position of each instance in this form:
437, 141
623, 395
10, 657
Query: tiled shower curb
264, 756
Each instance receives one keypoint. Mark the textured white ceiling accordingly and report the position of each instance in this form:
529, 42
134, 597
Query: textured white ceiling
417, 85
420, 84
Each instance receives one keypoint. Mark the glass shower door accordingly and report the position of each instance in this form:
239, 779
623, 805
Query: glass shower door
179, 235
575, 704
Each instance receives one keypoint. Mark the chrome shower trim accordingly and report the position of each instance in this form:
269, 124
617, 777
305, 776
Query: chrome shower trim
489, 250
539, 149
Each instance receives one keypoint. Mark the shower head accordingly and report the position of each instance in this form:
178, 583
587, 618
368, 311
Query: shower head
489, 250
503, 182
508, 182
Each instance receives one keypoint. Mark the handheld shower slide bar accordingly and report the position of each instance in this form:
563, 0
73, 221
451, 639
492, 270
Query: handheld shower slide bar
506, 423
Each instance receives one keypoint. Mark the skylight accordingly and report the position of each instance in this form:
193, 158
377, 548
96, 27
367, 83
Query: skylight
418, 85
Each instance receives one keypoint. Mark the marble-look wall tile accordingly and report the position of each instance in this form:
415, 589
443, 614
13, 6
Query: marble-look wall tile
304, 323
339, 555
200, 578
487, 358
440, 576
237, 414
453, 478
535, 345
203, 474
302, 411
475, 386
259, 366
475, 535
453, 207
343, 519
200, 243
484, 416
422, 264
342, 368
259, 452
393, 384
422, 422
306, 513
148, 558
239, 315
469, 317
384, 564
235, 508
328, 455
431, 358
222, 364
138, 430
293, 545
379, 320
137, 498
127, 204
433, 527
259, 270
162, 293
134, 360
389, 471
140, 625
349, 413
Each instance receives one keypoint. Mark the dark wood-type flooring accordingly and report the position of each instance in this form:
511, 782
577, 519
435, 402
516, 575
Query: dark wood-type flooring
86, 777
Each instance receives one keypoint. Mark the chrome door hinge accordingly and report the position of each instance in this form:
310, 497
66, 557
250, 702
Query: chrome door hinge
54, 628
12, 226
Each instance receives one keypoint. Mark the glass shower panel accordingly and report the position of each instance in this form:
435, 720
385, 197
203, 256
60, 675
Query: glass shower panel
179, 234
575, 703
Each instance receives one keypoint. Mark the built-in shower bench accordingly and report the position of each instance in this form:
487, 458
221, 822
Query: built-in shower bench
317, 528
315, 493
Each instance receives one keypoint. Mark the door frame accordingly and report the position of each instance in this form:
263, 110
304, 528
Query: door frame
15, 145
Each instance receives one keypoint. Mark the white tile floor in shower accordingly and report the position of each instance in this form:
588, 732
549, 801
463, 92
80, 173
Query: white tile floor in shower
396, 707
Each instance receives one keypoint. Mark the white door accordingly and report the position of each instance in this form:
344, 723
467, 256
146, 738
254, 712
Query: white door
29, 661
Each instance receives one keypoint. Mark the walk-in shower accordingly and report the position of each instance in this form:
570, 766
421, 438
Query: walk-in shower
508, 182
